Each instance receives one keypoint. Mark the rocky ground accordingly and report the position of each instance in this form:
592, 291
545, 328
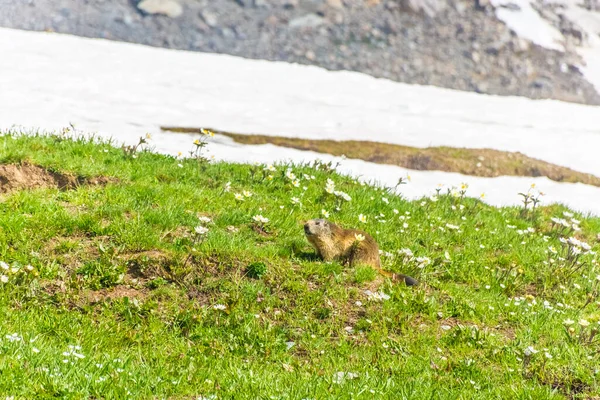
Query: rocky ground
458, 44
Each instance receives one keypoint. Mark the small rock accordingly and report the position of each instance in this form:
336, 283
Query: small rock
170, 8
211, 19
511, 6
335, 4
310, 55
245, 3
307, 21
428, 7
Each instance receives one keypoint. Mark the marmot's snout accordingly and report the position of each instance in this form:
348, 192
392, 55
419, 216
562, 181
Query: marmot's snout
307, 229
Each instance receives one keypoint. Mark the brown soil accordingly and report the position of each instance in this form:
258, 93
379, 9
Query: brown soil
27, 177
474, 162
117, 292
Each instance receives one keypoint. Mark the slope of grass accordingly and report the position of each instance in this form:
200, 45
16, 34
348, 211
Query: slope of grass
111, 292
474, 162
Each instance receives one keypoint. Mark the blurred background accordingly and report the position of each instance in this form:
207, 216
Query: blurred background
505, 47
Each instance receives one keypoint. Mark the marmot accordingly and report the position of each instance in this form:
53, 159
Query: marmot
347, 245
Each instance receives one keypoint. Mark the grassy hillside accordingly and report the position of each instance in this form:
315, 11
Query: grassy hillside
145, 276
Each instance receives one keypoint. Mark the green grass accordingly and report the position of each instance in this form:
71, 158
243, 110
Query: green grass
246, 310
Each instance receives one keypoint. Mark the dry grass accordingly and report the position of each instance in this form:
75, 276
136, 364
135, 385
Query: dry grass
475, 162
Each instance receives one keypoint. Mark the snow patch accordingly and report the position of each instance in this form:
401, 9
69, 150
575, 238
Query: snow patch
526, 22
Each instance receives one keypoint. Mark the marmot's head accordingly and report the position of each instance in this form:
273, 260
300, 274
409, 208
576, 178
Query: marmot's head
317, 227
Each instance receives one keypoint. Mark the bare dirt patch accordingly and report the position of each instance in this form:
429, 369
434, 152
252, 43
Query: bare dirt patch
28, 176
117, 292
474, 162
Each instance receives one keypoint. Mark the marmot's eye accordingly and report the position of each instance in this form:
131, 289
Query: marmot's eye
318, 222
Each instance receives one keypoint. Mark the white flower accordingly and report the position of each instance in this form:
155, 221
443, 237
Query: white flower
290, 175
568, 214
529, 351
227, 187
4, 265
341, 377
343, 195
548, 355
423, 261
200, 230
359, 237
270, 168
3, 278
385, 200
295, 200
247, 193
552, 249
14, 337
325, 213
379, 296
296, 183
454, 227
205, 220
362, 218
261, 219
568, 322
220, 307
406, 252
239, 196
584, 323
330, 186
447, 255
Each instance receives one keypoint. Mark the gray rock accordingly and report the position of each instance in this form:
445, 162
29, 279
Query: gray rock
210, 18
428, 7
170, 8
307, 21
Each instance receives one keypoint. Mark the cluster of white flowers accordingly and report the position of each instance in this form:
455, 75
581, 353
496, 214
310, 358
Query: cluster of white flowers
376, 296
330, 188
341, 377
6, 271
260, 219
202, 230
243, 196
73, 352
571, 223
576, 246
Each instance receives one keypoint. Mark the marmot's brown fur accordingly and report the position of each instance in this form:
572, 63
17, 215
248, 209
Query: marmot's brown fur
347, 245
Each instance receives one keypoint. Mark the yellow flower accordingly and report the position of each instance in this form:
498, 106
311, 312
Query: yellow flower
197, 142
148, 136
464, 186
207, 132
482, 196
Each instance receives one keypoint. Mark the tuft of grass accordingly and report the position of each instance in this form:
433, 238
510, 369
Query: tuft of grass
140, 288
